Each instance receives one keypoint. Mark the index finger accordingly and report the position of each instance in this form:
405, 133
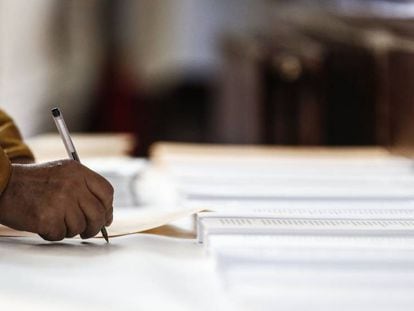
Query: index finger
100, 188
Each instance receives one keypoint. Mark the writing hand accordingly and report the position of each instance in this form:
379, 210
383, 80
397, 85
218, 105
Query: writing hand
56, 200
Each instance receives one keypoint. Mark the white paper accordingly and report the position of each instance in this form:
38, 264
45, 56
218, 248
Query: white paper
128, 221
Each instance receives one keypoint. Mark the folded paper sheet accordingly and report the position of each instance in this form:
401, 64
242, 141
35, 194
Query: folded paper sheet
127, 221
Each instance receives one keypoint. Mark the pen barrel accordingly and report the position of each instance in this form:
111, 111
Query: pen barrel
67, 140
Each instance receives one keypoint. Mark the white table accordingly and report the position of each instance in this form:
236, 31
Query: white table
138, 272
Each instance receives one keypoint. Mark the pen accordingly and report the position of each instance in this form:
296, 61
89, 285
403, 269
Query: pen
70, 147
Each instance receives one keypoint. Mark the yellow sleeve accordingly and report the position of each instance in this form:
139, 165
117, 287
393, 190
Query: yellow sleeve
5, 170
10, 139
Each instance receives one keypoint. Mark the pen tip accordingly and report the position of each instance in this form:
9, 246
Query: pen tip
105, 234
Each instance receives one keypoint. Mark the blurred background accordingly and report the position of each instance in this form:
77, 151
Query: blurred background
233, 71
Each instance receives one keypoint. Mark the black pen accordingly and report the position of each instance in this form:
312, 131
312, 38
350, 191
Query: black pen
70, 147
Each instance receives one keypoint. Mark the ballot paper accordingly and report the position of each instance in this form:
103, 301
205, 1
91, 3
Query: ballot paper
268, 225
128, 221
310, 218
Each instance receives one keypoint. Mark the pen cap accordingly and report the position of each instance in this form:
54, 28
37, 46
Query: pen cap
56, 112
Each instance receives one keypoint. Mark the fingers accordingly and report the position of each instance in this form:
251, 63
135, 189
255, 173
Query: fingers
75, 222
100, 188
52, 237
95, 203
87, 219
94, 214
56, 232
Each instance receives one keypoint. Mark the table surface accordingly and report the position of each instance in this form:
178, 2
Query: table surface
138, 272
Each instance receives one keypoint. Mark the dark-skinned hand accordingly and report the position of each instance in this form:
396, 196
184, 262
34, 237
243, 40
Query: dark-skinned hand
56, 200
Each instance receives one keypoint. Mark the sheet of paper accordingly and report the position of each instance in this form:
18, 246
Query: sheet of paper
215, 223
128, 221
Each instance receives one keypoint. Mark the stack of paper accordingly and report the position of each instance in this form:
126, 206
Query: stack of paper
302, 230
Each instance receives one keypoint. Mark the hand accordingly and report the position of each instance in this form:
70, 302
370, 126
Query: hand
56, 200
